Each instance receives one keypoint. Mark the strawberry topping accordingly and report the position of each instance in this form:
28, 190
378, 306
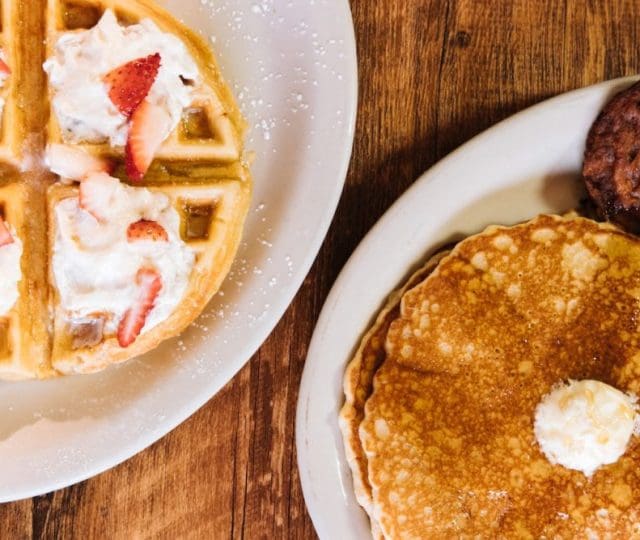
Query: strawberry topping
74, 163
149, 126
130, 83
4, 68
146, 230
149, 282
95, 194
5, 234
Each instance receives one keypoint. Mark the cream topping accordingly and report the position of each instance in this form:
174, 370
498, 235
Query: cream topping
584, 425
82, 59
10, 271
95, 266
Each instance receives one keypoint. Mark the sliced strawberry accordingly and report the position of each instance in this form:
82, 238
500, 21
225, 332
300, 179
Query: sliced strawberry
149, 126
146, 230
95, 195
130, 83
4, 68
149, 282
71, 162
5, 234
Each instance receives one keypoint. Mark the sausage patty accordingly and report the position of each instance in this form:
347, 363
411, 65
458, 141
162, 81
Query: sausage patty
611, 169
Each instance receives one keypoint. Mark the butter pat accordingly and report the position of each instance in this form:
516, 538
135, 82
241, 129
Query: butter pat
584, 425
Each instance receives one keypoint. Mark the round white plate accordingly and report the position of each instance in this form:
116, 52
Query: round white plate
526, 165
292, 66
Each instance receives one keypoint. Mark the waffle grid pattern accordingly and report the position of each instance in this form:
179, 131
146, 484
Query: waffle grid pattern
199, 168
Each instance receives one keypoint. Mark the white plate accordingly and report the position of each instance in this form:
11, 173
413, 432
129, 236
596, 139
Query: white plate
292, 66
525, 165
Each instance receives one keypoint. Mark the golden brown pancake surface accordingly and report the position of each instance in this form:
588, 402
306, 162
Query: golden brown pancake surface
448, 430
358, 385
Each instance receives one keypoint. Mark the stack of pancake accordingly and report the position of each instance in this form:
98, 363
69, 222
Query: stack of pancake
441, 394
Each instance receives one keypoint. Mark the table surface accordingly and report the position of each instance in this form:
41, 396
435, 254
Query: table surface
432, 74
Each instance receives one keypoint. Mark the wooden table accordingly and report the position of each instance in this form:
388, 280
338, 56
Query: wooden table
432, 74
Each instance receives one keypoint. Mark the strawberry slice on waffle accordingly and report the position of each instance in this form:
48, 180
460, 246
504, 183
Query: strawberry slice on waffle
145, 229
5, 234
130, 83
5, 70
149, 282
149, 126
74, 163
96, 193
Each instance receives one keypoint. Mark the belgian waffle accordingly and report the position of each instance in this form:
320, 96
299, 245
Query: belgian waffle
24, 340
199, 167
210, 222
12, 130
211, 130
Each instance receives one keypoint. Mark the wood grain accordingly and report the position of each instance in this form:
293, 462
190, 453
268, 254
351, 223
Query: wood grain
432, 74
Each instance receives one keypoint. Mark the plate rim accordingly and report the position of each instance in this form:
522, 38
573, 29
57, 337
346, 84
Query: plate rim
322, 328
350, 85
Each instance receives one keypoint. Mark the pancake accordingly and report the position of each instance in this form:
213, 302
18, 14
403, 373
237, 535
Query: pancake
358, 385
448, 430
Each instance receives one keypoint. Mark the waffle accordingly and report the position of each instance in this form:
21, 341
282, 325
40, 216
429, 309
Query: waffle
211, 128
199, 168
12, 124
24, 340
210, 221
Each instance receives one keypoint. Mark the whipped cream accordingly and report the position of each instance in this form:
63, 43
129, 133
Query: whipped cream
95, 266
585, 424
10, 272
81, 60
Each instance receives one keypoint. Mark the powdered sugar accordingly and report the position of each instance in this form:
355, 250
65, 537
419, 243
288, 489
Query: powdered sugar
298, 175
